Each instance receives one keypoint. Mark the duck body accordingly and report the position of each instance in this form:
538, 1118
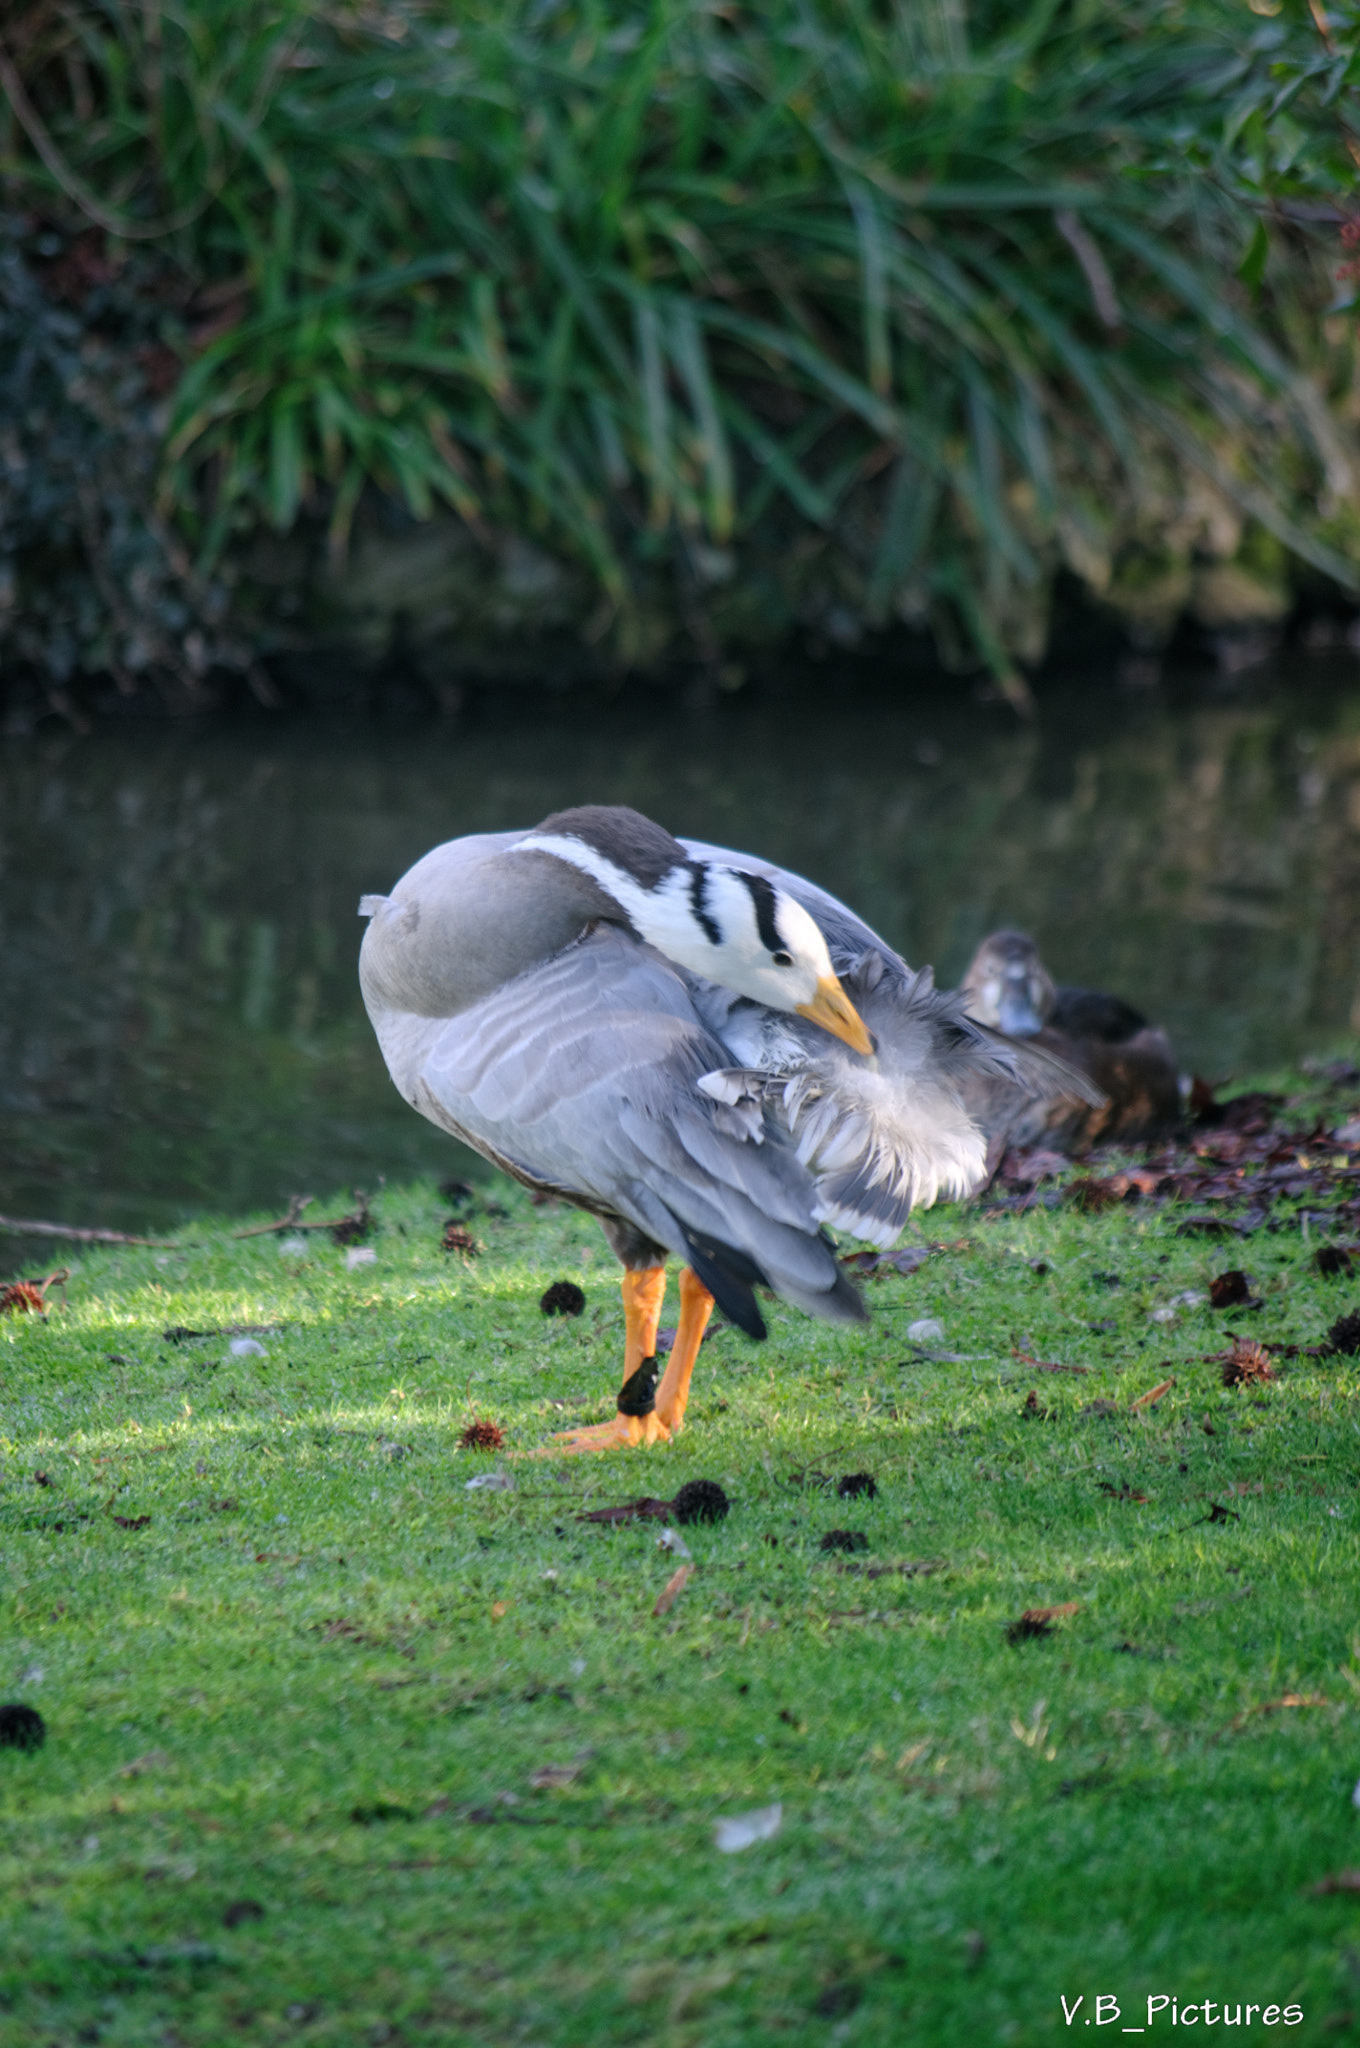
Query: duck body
1129, 1061
677, 1038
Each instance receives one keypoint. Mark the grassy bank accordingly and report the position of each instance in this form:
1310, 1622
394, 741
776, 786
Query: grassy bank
343, 1750
819, 315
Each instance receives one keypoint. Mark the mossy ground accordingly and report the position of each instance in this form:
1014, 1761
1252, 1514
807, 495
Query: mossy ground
322, 1675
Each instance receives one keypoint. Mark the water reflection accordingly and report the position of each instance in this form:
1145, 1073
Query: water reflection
180, 1022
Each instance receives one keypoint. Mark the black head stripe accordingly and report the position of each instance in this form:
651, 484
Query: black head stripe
762, 895
698, 900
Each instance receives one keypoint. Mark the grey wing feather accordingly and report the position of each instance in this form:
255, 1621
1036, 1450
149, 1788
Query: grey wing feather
580, 1074
880, 1136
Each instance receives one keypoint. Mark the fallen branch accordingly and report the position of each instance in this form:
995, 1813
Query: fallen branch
345, 1229
296, 1205
26, 1227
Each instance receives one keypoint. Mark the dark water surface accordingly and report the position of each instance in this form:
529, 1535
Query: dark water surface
180, 1022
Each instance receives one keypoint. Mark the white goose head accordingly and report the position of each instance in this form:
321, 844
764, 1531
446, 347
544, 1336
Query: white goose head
734, 928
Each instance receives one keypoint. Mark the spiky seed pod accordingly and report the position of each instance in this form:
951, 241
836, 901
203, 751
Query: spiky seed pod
1344, 1335
457, 1239
563, 1298
701, 1500
21, 1727
857, 1485
844, 1539
482, 1436
1227, 1290
1248, 1364
1334, 1261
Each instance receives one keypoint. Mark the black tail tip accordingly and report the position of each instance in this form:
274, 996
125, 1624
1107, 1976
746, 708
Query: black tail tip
730, 1276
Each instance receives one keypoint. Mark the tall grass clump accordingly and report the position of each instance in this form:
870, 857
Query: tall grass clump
926, 301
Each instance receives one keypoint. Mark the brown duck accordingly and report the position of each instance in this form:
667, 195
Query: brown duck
1130, 1061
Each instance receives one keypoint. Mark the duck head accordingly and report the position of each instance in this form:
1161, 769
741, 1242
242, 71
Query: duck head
1007, 985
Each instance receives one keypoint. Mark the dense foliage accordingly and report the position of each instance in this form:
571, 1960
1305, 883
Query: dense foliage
928, 302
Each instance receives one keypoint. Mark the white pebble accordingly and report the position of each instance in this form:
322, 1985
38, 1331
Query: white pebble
246, 1347
927, 1331
293, 1247
360, 1255
671, 1540
491, 1482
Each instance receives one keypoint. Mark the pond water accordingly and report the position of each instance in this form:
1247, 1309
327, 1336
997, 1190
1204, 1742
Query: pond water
180, 1021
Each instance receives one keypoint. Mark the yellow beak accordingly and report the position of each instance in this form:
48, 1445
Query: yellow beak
832, 1008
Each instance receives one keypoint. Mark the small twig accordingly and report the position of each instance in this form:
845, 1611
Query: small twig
25, 1227
296, 1205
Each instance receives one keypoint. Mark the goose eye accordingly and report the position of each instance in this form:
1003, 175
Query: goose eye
782, 959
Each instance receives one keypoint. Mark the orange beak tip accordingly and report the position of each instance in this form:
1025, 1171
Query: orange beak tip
832, 1008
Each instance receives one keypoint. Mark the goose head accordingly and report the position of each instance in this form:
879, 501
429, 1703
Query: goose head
1007, 985
733, 928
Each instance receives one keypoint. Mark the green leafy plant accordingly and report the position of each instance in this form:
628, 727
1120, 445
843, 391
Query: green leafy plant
946, 299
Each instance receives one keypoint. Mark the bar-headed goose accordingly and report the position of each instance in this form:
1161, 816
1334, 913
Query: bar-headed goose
1100, 1036
711, 1054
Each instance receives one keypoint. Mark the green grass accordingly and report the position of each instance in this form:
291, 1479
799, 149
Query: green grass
951, 297
322, 1675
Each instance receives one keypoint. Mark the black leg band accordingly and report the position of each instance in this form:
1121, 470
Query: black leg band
637, 1396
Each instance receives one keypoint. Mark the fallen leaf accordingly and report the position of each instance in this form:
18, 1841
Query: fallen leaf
550, 1777
1339, 1881
673, 1588
499, 1610
1287, 1699
736, 1831
142, 1766
644, 1509
132, 1521
1038, 1621
1152, 1397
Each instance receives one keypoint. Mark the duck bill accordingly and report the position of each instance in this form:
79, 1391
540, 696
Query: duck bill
832, 1008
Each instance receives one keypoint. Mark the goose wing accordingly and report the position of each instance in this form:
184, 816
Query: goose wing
581, 1075
879, 1136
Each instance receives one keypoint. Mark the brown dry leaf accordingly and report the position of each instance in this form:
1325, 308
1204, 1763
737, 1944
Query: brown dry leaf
1152, 1397
1287, 1699
142, 1766
1338, 1881
549, 1777
643, 1509
673, 1588
1038, 1621
500, 1609
1045, 1614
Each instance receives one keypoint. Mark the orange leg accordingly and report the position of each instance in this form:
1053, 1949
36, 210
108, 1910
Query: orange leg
672, 1396
644, 1290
